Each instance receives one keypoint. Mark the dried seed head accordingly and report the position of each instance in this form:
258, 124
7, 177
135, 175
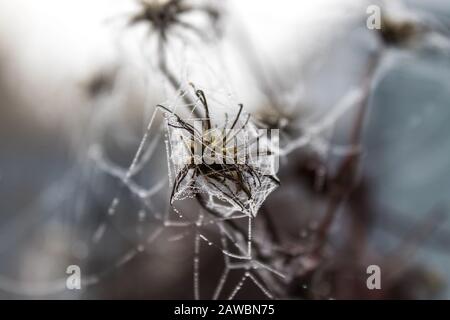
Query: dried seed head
399, 33
162, 15
231, 161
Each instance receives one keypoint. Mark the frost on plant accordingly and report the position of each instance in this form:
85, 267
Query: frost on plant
222, 157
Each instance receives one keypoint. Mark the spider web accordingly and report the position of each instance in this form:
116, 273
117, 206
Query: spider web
235, 248
258, 162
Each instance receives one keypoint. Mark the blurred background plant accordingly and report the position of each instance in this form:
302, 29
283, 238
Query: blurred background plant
363, 161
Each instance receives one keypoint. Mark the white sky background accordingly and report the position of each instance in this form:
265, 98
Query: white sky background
47, 44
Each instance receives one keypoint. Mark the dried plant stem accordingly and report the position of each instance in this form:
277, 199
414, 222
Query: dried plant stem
345, 177
173, 80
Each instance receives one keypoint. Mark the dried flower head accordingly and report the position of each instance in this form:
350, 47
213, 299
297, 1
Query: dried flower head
232, 162
164, 15
402, 26
398, 32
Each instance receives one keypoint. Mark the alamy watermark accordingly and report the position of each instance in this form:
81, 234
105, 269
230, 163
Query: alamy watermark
374, 280
73, 281
374, 20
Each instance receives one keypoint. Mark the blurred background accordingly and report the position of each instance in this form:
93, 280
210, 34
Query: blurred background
79, 85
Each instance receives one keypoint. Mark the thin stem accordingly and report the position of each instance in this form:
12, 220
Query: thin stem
346, 173
173, 80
